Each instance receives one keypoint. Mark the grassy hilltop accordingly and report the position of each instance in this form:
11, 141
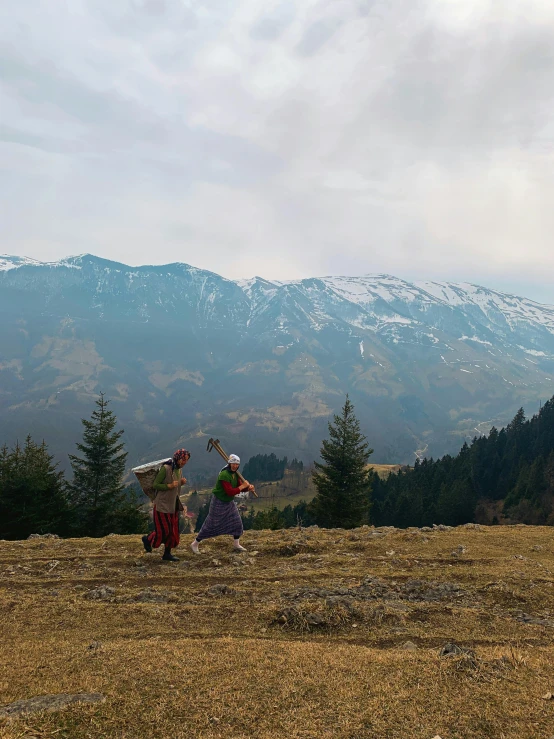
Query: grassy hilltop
312, 633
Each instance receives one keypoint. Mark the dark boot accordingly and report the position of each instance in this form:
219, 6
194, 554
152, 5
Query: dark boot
146, 544
169, 557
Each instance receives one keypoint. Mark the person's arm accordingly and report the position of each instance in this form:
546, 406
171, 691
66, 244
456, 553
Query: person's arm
159, 482
229, 489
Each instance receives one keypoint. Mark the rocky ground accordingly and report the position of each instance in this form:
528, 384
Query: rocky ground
364, 634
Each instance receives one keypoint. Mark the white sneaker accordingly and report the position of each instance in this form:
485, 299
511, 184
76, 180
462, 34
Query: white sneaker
237, 547
194, 547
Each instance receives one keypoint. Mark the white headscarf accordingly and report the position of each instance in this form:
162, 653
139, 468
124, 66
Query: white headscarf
233, 459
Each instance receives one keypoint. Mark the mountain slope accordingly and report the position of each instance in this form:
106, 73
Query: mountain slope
184, 353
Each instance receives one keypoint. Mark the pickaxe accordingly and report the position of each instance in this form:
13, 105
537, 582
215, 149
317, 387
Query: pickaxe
214, 444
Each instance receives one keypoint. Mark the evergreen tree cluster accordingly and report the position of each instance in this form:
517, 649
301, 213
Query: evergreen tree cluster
289, 517
33, 494
36, 498
512, 468
266, 468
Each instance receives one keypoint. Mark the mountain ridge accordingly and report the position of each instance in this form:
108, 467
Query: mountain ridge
263, 362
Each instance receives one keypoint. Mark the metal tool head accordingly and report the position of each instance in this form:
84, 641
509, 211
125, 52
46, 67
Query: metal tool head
213, 443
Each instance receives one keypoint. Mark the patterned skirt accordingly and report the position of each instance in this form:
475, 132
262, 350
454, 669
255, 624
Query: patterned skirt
222, 518
166, 530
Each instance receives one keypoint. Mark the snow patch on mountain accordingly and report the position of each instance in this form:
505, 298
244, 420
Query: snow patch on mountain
492, 303
7, 262
476, 339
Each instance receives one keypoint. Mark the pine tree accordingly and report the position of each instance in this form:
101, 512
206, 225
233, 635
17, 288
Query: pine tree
102, 503
456, 503
33, 493
343, 481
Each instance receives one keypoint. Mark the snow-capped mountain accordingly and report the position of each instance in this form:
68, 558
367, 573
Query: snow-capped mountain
184, 352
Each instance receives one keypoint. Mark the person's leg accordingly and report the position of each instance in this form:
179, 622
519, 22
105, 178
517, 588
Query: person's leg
155, 538
168, 556
170, 539
174, 536
237, 545
236, 530
196, 542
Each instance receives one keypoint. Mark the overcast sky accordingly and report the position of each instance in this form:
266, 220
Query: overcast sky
286, 139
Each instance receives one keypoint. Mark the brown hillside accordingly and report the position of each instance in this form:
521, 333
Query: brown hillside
384, 470
309, 634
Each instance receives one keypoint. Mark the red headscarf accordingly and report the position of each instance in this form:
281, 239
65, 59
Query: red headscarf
180, 456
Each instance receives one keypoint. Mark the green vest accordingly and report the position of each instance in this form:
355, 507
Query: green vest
226, 476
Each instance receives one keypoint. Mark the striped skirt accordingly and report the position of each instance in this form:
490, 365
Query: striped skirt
222, 518
166, 530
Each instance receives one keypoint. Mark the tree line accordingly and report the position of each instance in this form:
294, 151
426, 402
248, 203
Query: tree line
36, 497
505, 476
508, 475
269, 468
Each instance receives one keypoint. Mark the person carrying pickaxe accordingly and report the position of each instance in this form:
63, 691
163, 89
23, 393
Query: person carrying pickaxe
223, 517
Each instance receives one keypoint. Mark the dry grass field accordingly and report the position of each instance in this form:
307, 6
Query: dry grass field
309, 634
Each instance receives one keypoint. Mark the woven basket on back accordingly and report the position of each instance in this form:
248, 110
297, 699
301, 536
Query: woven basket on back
146, 474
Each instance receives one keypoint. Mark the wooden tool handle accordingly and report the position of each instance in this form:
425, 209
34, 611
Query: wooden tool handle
216, 445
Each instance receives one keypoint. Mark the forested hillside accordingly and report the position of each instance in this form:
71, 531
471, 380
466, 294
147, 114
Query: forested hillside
505, 476
425, 364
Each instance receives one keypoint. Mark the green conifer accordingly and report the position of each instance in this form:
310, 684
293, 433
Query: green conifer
103, 503
343, 481
33, 493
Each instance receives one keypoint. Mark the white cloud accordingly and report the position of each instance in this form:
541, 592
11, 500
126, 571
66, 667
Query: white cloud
303, 138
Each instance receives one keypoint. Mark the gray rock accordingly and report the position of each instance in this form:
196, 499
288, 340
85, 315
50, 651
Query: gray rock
340, 600
102, 592
315, 619
43, 536
150, 596
451, 650
527, 619
47, 703
409, 646
220, 589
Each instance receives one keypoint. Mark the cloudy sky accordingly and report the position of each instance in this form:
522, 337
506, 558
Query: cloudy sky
284, 138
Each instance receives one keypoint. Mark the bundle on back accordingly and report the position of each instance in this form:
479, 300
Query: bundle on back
146, 474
